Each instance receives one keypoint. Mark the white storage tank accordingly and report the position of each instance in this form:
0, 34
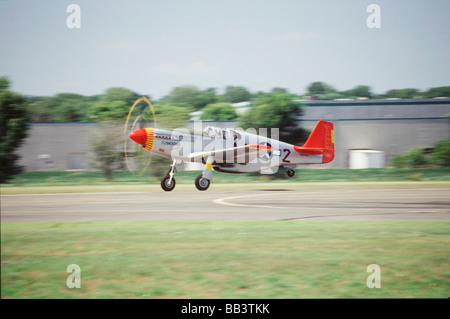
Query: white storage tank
360, 159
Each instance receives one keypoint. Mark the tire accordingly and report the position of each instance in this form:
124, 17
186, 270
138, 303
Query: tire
290, 172
165, 185
202, 183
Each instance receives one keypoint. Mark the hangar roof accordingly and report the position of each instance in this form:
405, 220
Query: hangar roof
375, 109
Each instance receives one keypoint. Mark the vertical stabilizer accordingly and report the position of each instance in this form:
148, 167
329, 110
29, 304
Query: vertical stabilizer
321, 141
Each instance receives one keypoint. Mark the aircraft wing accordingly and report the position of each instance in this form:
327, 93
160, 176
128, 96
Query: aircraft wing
237, 155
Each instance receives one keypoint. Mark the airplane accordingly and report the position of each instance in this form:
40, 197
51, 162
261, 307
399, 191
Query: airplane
234, 151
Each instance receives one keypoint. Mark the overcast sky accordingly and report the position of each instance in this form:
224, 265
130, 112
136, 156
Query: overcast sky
153, 46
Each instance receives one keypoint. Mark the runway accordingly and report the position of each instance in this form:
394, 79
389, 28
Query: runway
399, 204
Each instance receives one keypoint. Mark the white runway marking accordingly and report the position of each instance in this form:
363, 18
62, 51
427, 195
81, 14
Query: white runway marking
223, 201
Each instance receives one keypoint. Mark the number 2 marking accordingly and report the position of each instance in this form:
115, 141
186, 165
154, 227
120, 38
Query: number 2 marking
288, 152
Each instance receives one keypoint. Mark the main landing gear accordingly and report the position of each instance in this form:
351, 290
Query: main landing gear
168, 181
202, 181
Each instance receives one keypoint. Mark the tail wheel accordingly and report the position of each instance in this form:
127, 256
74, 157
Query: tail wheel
167, 184
290, 172
202, 183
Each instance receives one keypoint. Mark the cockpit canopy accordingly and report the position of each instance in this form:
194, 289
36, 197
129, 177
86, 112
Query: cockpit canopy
220, 132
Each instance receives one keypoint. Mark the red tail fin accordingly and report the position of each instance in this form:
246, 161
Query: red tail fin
320, 142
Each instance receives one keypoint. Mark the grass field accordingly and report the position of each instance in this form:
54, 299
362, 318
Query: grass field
282, 259
81, 182
63, 178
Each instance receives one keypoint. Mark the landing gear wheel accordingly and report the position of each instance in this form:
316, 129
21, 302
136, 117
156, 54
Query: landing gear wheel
290, 172
202, 183
167, 184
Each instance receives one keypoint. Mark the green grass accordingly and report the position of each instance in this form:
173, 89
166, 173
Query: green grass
33, 179
282, 259
81, 182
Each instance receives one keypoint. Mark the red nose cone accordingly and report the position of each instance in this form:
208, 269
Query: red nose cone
139, 136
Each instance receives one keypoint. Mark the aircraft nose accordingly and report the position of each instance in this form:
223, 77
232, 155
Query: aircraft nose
143, 136
139, 136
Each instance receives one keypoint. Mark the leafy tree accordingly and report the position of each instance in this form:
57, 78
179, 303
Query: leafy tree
235, 94
120, 94
191, 97
219, 112
169, 116
107, 147
279, 90
117, 110
441, 153
71, 107
208, 96
276, 110
333, 96
114, 105
64, 107
319, 88
13, 129
39, 109
442, 91
398, 161
359, 91
402, 93
414, 157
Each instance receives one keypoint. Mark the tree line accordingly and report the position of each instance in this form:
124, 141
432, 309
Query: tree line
324, 91
115, 102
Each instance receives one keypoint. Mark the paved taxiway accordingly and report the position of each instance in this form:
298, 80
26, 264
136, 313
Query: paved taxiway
276, 204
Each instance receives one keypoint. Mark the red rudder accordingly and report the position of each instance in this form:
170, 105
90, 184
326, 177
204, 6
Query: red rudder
321, 141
